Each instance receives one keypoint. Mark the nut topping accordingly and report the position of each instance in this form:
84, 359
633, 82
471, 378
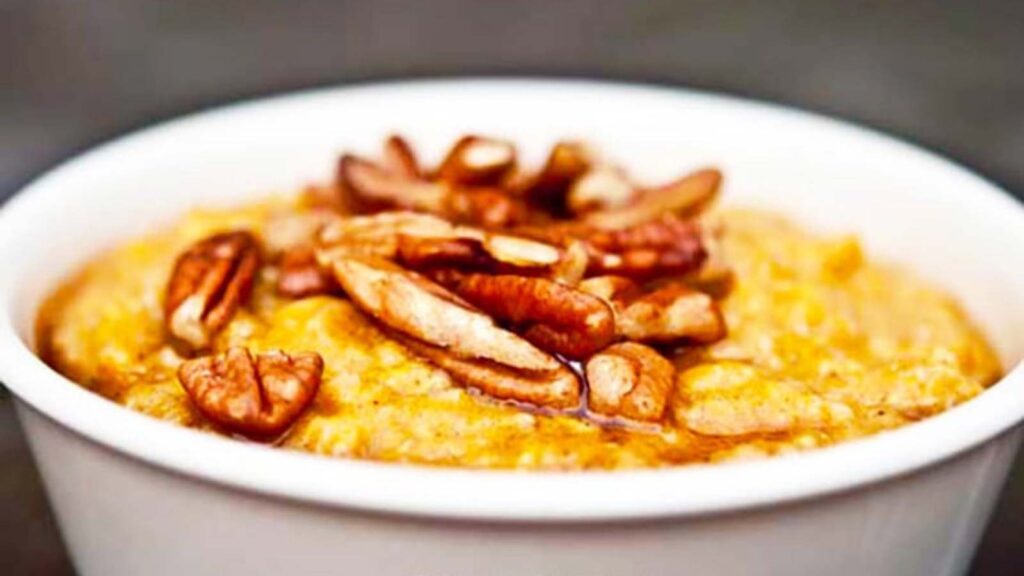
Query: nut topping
670, 314
371, 187
684, 198
420, 253
486, 207
477, 161
557, 389
258, 399
552, 316
661, 247
549, 187
498, 276
301, 275
412, 305
422, 241
613, 289
630, 380
601, 188
209, 282
400, 159
667, 315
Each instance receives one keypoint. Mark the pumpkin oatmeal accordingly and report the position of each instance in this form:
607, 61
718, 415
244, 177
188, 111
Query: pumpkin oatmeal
480, 315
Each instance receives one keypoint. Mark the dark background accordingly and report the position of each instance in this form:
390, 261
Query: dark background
947, 75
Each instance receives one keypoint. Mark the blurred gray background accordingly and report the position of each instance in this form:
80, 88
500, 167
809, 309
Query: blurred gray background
948, 75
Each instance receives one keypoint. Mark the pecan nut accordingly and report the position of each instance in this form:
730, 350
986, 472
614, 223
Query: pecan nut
369, 187
422, 241
601, 188
684, 197
412, 305
671, 314
629, 380
557, 388
552, 316
661, 247
612, 289
486, 207
549, 188
664, 246
256, 398
477, 161
301, 276
419, 253
209, 282
399, 158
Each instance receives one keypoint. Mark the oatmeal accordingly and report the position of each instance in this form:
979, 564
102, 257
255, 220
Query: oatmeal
482, 315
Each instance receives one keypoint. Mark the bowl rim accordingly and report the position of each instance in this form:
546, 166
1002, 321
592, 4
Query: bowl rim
493, 495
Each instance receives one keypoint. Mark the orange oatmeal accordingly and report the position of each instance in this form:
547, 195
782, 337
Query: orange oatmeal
480, 315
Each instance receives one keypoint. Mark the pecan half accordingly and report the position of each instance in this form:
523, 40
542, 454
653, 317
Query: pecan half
370, 187
660, 247
613, 289
670, 314
520, 252
400, 159
477, 161
551, 315
422, 241
257, 398
420, 253
412, 305
379, 234
486, 207
566, 162
557, 388
209, 282
629, 380
601, 188
301, 276
572, 264
684, 197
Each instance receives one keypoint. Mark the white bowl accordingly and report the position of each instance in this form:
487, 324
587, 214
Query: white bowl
134, 495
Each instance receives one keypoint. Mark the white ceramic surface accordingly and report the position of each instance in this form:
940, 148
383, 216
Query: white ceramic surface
137, 496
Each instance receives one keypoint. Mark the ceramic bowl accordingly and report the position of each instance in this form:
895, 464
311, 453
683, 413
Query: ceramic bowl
134, 495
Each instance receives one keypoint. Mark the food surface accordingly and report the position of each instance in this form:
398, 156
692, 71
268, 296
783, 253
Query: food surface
478, 314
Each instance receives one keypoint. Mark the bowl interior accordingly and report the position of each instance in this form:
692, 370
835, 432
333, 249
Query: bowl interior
908, 206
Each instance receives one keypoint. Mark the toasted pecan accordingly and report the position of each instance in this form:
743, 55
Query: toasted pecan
209, 282
557, 388
422, 241
600, 188
660, 247
412, 305
399, 158
549, 187
258, 397
672, 314
611, 288
486, 207
684, 197
477, 161
552, 316
301, 276
370, 187
629, 380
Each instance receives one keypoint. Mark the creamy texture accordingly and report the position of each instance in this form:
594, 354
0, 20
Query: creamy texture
822, 347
